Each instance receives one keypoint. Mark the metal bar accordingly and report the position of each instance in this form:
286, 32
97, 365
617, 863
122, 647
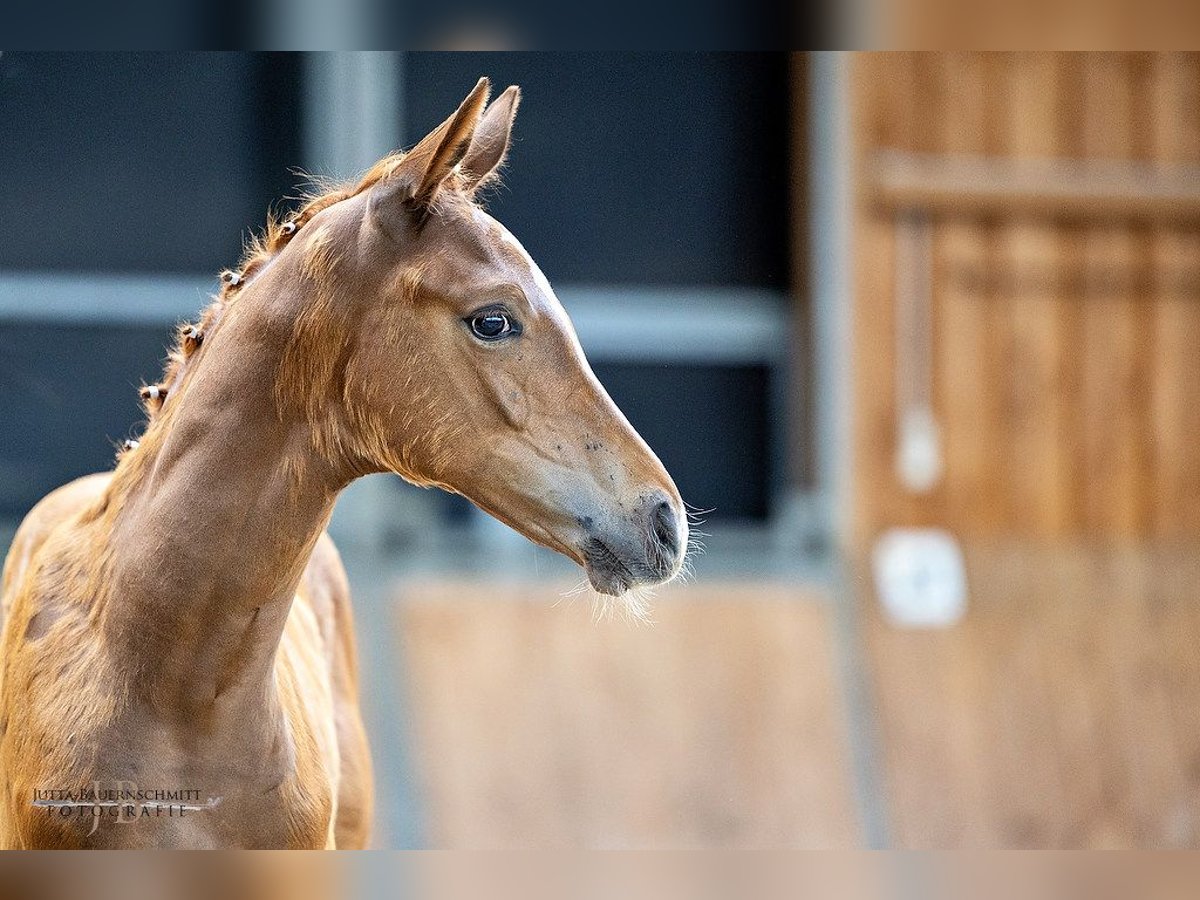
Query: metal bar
724, 326
353, 111
831, 194
729, 326
100, 297
313, 25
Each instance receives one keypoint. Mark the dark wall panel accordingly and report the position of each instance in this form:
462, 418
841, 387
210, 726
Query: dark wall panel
141, 161
635, 168
710, 425
69, 396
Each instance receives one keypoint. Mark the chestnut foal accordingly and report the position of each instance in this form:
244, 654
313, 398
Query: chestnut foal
178, 662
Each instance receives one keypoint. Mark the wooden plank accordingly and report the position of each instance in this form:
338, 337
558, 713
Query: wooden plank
1113, 399
963, 391
1045, 187
1175, 364
1063, 712
1069, 139
536, 727
1139, 307
1030, 375
994, 512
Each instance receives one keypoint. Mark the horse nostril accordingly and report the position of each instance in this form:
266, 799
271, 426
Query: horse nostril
665, 528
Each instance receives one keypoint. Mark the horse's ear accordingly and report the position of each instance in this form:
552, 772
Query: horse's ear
490, 143
417, 178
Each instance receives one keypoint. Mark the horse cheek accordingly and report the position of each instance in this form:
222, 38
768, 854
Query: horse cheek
513, 401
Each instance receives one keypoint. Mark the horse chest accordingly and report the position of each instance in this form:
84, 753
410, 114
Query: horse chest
133, 785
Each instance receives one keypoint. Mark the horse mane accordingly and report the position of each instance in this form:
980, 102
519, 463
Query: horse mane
259, 250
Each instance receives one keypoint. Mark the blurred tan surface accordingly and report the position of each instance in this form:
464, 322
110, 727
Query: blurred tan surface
1031, 24
536, 727
1064, 711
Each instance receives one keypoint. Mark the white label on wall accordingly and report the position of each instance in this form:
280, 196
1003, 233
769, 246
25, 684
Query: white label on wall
920, 577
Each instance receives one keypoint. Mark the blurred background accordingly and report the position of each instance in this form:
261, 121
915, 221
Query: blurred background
920, 331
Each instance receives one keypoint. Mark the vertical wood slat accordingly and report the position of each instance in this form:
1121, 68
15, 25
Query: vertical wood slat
1070, 245
1175, 364
1034, 408
963, 392
1063, 379
995, 511
1110, 334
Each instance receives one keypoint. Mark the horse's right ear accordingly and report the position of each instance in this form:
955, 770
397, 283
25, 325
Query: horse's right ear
489, 146
416, 179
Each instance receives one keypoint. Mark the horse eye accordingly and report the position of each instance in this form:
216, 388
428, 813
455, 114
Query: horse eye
492, 325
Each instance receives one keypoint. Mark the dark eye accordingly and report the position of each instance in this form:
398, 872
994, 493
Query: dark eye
492, 325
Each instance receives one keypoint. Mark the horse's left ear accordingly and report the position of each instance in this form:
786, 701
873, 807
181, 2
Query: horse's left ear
490, 143
417, 178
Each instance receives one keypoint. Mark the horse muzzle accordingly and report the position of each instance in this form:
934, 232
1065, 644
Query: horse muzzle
645, 549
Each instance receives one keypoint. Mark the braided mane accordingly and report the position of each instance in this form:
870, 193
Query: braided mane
259, 251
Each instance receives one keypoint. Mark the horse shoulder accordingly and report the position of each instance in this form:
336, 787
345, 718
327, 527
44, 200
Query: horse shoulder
326, 590
52, 511
40, 732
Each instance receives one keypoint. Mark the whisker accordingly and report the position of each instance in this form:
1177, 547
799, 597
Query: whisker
572, 592
695, 515
633, 606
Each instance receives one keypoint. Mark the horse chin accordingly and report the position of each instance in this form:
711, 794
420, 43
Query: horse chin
607, 583
618, 593
612, 574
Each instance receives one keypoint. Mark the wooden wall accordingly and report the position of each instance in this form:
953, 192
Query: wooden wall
1066, 356
1062, 712
721, 725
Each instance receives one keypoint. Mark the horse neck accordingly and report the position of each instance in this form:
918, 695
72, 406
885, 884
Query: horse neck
211, 534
